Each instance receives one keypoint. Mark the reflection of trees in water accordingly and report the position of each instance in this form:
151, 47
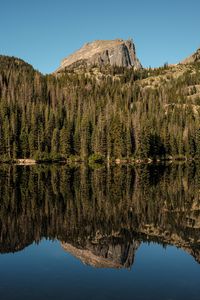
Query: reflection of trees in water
100, 210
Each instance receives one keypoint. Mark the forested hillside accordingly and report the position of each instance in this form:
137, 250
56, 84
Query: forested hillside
103, 112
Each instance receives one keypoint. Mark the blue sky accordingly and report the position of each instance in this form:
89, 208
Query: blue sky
42, 32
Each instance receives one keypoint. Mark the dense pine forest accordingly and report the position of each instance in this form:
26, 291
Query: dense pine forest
99, 113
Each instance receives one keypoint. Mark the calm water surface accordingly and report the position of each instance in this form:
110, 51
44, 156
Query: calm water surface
118, 233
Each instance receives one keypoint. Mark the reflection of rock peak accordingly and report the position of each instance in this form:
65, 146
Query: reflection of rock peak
104, 255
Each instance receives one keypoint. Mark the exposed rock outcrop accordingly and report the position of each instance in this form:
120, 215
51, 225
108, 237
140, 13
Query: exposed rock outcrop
104, 52
195, 57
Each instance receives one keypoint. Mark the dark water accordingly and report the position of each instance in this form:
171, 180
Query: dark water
118, 233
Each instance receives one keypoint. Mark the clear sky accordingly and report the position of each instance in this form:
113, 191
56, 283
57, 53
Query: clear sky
42, 32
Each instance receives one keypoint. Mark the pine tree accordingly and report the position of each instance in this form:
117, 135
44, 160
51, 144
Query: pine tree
55, 142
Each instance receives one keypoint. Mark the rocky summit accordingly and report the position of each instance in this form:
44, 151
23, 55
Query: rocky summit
117, 52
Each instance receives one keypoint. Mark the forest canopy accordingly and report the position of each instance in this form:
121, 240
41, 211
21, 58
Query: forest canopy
106, 112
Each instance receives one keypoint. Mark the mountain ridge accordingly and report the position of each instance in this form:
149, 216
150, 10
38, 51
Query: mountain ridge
96, 48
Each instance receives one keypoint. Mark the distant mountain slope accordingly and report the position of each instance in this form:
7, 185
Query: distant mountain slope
104, 52
19, 82
195, 57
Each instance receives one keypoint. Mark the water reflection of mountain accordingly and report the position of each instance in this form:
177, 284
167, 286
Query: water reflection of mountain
110, 252
100, 216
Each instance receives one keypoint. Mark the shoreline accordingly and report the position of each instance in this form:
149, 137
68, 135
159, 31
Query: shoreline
117, 161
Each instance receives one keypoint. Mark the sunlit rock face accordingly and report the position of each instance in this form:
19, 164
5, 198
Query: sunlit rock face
104, 52
195, 57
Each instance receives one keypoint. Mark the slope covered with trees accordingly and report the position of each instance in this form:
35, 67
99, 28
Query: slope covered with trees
106, 112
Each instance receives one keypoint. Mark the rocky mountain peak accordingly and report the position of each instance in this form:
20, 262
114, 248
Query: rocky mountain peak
116, 52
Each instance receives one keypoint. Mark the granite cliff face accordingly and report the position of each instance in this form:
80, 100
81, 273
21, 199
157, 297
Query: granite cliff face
195, 57
104, 52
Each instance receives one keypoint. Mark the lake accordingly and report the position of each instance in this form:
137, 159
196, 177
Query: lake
104, 233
